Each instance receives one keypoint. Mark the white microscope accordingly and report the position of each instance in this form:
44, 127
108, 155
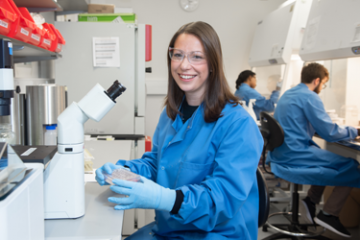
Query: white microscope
64, 195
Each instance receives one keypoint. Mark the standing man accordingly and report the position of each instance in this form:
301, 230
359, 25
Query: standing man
300, 160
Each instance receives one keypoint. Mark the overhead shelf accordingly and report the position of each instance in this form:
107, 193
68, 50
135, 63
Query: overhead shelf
72, 6
24, 52
39, 5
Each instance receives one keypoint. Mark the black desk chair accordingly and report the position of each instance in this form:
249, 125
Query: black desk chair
264, 199
273, 135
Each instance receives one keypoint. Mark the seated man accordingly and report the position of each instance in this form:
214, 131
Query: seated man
300, 160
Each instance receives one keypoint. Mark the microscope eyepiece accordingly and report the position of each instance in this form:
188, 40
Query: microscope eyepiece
115, 90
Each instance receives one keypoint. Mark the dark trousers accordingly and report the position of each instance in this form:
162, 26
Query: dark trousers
336, 200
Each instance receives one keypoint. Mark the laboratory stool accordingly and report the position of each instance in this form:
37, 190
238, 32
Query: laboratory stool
273, 135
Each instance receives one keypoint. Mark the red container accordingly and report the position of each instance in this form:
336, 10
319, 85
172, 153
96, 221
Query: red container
148, 144
148, 42
60, 39
8, 17
49, 38
24, 27
36, 34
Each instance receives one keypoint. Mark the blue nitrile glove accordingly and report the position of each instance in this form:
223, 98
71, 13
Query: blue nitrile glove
107, 168
146, 194
279, 85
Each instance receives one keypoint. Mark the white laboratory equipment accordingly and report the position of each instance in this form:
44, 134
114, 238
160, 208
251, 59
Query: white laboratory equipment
21, 199
332, 31
127, 119
64, 176
332, 38
276, 44
6, 91
50, 135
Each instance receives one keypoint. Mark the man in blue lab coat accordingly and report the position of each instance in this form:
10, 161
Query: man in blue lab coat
299, 159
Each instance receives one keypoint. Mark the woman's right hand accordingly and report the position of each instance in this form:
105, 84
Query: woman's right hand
107, 168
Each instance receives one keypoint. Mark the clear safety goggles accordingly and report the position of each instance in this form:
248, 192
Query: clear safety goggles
194, 58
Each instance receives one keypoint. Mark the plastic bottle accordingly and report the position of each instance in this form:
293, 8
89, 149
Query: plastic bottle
251, 109
50, 135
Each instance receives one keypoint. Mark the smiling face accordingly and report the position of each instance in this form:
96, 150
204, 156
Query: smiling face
190, 77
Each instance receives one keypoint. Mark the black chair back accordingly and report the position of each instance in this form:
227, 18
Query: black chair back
264, 199
271, 130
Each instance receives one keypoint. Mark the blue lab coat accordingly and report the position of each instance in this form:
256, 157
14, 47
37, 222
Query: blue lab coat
299, 159
245, 93
214, 165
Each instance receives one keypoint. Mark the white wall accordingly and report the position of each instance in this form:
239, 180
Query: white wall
233, 20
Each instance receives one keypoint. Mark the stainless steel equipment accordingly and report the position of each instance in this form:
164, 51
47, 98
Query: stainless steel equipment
19, 106
44, 103
19, 120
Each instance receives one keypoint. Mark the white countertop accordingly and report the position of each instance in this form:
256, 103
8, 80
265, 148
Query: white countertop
101, 220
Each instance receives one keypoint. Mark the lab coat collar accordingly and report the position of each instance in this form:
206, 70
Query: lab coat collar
302, 85
177, 124
182, 129
244, 85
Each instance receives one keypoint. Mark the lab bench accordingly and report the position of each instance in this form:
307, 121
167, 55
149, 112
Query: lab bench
349, 148
101, 221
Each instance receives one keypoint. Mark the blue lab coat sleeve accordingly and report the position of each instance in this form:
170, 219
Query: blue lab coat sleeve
321, 122
145, 166
267, 105
221, 195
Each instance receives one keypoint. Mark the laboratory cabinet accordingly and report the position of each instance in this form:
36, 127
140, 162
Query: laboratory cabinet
332, 31
78, 70
276, 44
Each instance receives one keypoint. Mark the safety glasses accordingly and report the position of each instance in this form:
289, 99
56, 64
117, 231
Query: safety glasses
194, 58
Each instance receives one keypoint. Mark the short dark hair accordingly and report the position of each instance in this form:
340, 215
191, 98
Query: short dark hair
243, 76
217, 93
313, 71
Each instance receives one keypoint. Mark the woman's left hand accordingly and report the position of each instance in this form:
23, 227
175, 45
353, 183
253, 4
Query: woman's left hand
146, 194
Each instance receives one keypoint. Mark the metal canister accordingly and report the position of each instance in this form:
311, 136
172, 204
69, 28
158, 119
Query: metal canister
44, 103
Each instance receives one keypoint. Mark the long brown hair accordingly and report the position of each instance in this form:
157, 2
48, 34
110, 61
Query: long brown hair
217, 91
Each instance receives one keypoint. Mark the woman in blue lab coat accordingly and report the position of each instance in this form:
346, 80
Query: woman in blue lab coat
245, 90
200, 176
